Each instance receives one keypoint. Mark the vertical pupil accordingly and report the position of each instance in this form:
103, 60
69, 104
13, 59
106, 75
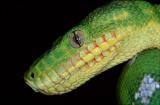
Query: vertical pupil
77, 39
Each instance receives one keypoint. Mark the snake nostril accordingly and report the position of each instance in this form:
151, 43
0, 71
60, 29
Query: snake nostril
32, 75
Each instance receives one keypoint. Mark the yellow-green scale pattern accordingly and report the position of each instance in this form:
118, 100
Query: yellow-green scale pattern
112, 34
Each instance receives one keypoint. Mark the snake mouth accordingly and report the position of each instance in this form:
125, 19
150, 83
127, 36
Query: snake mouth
31, 84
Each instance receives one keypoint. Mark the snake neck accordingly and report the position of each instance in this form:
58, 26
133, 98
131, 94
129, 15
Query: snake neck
146, 38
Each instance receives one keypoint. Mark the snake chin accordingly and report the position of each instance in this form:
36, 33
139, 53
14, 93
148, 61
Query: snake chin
31, 85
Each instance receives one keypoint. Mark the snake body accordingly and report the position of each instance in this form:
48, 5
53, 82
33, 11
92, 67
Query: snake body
139, 83
108, 36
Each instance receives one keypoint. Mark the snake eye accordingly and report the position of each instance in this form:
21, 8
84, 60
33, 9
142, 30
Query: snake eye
77, 39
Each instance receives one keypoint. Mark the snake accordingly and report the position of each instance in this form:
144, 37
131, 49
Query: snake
110, 35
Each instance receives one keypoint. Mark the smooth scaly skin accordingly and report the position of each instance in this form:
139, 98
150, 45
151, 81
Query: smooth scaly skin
112, 34
147, 63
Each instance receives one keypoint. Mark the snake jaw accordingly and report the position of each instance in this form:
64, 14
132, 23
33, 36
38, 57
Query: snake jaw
31, 84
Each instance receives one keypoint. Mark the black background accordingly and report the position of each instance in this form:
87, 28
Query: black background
29, 29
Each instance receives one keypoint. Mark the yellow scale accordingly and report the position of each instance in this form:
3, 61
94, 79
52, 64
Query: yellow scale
106, 48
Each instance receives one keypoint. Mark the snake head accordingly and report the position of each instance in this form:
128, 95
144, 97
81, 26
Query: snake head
87, 49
